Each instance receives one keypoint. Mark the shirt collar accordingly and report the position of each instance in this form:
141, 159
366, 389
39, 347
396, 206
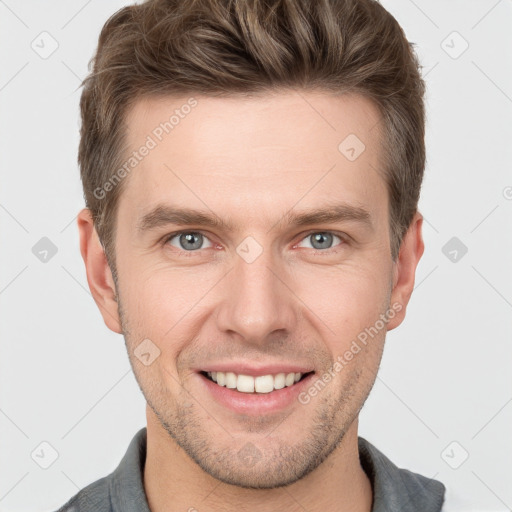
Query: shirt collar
396, 489
126, 486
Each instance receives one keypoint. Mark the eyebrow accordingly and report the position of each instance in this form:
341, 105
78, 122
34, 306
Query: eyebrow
162, 215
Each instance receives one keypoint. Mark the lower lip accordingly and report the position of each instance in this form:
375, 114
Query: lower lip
254, 403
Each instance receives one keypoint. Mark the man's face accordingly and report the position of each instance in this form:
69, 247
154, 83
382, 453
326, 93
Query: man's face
264, 296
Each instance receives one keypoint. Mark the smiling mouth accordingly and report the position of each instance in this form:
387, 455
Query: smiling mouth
256, 385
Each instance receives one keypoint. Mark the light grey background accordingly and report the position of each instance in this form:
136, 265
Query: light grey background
65, 378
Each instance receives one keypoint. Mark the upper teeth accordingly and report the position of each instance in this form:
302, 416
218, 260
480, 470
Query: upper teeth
249, 384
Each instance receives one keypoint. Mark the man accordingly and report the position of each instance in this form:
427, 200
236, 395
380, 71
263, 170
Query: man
252, 172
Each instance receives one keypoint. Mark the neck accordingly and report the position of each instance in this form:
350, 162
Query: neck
172, 479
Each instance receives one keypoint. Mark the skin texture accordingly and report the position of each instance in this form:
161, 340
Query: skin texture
250, 161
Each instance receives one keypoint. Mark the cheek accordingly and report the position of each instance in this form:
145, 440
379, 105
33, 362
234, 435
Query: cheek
159, 297
344, 304
165, 307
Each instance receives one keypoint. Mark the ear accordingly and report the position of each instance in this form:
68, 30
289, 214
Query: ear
404, 271
99, 275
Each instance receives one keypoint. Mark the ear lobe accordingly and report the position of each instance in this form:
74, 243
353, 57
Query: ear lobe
411, 250
99, 275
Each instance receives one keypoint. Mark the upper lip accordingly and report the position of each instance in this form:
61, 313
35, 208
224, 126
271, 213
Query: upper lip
245, 368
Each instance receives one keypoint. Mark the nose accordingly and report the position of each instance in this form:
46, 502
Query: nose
258, 300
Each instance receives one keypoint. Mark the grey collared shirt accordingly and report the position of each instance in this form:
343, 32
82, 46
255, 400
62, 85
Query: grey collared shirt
394, 489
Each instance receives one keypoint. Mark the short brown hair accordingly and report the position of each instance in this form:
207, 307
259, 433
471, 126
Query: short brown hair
227, 47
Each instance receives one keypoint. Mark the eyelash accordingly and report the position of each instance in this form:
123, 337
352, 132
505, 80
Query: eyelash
331, 250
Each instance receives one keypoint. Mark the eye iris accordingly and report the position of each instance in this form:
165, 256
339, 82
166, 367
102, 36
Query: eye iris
321, 238
187, 240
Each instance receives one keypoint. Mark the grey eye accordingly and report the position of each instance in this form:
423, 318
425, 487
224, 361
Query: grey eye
321, 240
188, 241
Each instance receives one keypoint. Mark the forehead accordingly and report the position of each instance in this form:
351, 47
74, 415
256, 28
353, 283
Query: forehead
252, 151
